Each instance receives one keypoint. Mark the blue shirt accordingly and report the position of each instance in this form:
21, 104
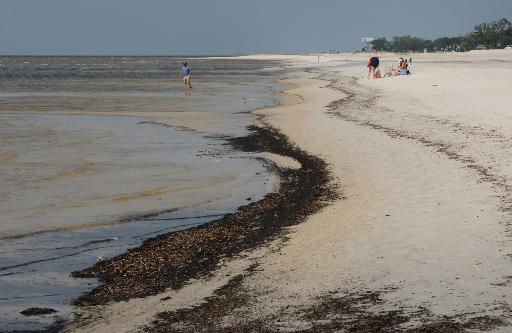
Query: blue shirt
186, 71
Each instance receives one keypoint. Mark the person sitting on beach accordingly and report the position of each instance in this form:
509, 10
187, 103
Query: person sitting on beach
408, 69
394, 70
186, 73
404, 70
373, 64
401, 63
401, 69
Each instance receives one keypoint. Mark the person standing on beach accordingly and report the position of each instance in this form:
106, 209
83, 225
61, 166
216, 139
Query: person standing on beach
186, 73
373, 64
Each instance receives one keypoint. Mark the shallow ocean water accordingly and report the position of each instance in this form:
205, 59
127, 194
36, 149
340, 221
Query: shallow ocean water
100, 153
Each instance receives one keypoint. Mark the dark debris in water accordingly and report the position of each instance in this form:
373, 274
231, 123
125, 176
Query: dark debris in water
37, 311
170, 260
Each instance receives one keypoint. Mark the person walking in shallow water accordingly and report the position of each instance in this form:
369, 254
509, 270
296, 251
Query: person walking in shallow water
186, 73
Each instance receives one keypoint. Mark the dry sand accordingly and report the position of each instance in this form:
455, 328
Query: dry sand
424, 168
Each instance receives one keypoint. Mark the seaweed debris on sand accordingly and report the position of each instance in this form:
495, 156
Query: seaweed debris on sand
170, 260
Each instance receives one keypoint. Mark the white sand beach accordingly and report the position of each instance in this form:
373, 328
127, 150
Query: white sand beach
424, 168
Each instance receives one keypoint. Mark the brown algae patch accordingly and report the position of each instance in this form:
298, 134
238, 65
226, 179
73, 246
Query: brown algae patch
9, 157
154, 192
162, 191
75, 172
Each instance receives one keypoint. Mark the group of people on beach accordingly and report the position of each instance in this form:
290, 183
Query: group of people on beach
402, 68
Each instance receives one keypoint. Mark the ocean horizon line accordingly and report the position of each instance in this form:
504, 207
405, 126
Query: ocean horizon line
124, 55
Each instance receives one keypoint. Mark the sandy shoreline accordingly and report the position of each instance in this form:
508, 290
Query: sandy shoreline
419, 239
170, 260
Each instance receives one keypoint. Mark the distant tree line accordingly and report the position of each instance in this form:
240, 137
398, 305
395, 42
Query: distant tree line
491, 35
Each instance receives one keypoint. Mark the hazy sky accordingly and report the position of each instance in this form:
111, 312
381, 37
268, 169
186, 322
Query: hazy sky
228, 26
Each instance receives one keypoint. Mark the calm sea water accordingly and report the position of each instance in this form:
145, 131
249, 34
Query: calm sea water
87, 143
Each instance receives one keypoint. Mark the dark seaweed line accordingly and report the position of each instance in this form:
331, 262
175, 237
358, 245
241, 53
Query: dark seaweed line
170, 260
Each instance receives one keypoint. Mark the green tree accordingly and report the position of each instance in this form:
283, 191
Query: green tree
492, 34
446, 43
428, 45
409, 43
503, 28
381, 44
